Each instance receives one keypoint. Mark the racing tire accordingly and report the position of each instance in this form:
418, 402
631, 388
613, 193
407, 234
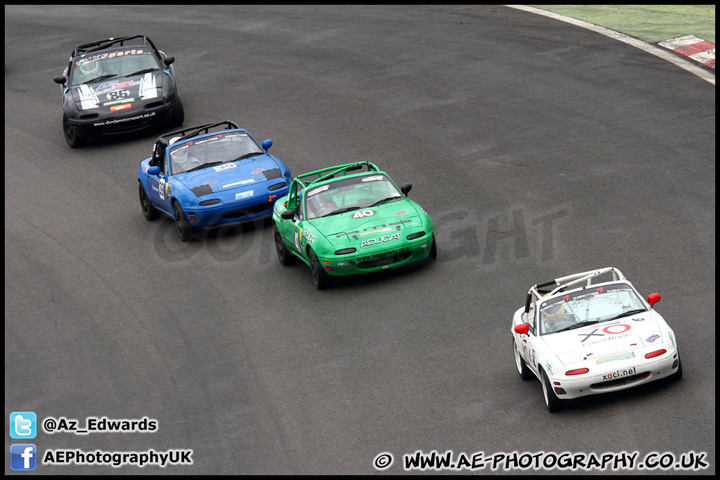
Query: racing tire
552, 402
71, 136
149, 212
286, 258
433, 248
522, 368
320, 277
184, 229
678, 374
178, 113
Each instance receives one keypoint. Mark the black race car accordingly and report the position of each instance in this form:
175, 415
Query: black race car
118, 85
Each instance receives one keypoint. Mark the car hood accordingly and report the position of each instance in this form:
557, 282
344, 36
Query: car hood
231, 176
118, 94
356, 226
603, 340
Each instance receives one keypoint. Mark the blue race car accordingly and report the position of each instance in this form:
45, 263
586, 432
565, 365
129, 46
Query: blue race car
210, 175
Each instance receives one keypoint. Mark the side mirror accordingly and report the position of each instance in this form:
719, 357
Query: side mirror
59, 79
287, 214
406, 188
267, 144
522, 329
653, 298
155, 170
168, 60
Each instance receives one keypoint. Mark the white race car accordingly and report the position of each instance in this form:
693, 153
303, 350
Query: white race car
580, 336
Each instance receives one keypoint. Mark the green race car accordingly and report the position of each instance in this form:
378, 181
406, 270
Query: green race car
350, 219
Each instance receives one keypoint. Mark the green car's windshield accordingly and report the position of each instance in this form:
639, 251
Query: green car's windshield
348, 194
213, 150
589, 306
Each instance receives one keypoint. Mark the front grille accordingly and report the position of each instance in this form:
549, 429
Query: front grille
377, 262
244, 212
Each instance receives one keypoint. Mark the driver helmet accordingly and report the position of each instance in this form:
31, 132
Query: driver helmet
555, 312
179, 155
90, 68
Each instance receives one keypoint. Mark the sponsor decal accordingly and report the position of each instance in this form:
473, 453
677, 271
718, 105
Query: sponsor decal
380, 230
161, 190
652, 338
225, 166
375, 241
193, 218
129, 119
401, 212
317, 190
256, 171
619, 356
240, 195
616, 329
620, 374
329, 268
363, 213
168, 189
560, 391
374, 178
342, 264
548, 367
209, 182
120, 107
242, 182
308, 237
271, 197
118, 101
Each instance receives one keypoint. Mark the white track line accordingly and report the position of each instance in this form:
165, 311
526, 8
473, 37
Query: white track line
664, 54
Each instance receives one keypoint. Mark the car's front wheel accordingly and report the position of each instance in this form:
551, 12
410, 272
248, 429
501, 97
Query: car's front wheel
147, 208
522, 368
71, 136
184, 229
433, 248
552, 402
320, 277
178, 113
284, 255
679, 373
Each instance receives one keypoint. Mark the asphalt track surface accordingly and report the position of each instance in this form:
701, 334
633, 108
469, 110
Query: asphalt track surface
539, 148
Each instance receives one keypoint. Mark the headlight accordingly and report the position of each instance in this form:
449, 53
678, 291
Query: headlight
413, 236
345, 251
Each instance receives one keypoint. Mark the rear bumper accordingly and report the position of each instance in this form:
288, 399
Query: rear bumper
616, 377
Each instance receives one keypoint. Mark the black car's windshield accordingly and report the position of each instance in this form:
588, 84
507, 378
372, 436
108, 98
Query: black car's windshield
95, 67
588, 306
213, 151
348, 194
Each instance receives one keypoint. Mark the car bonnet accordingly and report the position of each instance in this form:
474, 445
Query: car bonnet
232, 176
606, 341
117, 95
353, 227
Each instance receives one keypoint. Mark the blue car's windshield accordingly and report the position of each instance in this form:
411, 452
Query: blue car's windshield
212, 150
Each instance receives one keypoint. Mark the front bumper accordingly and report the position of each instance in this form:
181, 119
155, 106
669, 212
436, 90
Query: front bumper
379, 258
89, 125
255, 208
612, 378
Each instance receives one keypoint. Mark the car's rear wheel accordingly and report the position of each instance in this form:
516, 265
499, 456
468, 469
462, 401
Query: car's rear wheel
679, 373
284, 255
147, 208
522, 368
71, 136
320, 277
552, 402
184, 229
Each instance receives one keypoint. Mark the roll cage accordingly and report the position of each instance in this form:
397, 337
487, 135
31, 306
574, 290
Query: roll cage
165, 139
109, 42
537, 292
303, 181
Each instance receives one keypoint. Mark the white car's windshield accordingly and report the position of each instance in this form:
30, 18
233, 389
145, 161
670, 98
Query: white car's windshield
101, 67
591, 305
213, 150
348, 194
